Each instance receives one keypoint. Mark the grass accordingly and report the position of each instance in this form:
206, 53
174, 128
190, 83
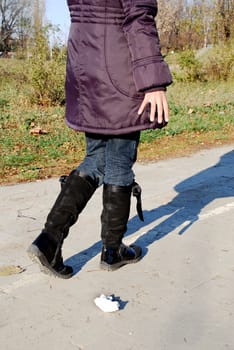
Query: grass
202, 116
28, 157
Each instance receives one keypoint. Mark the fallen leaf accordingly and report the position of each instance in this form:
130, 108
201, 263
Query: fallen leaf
190, 111
38, 131
8, 270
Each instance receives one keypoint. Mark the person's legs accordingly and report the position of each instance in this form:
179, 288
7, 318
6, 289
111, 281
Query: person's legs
76, 190
121, 154
93, 164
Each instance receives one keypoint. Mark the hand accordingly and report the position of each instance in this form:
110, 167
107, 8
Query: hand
158, 102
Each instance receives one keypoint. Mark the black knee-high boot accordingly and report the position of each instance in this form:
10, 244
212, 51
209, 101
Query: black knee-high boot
114, 218
76, 190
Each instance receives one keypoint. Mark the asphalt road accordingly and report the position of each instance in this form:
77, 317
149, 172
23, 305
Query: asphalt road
179, 296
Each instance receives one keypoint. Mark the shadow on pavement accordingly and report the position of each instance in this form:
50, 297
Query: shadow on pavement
194, 194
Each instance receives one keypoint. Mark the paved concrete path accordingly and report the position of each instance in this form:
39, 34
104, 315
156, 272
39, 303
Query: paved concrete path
181, 294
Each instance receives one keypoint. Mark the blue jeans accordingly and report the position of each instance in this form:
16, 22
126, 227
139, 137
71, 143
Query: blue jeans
109, 159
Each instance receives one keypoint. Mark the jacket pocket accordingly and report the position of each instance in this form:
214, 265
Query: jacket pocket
118, 62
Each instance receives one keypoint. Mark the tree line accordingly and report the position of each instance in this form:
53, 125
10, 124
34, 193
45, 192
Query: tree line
182, 24
20, 21
185, 24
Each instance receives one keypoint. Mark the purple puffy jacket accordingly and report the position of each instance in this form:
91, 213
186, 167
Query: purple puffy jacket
113, 57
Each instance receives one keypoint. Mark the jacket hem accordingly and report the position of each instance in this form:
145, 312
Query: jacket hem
109, 131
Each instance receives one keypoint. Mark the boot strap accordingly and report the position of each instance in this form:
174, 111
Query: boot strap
136, 191
63, 180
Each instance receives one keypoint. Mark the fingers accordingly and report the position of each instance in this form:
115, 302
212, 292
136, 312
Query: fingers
158, 104
160, 111
152, 111
166, 110
142, 106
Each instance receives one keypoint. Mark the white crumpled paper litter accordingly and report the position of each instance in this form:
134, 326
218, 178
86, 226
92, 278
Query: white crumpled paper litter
107, 303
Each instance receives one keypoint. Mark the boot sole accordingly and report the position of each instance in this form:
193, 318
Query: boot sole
114, 267
38, 257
